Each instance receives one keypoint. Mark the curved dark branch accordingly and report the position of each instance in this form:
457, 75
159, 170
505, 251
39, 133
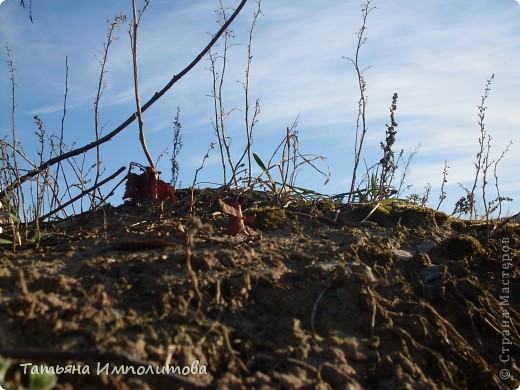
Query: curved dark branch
83, 193
132, 117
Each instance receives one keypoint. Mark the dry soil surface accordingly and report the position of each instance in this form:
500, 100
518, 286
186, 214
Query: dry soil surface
307, 298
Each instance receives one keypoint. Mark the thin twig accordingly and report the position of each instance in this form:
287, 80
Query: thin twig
83, 193
206, 156
442, 196
60, 144
19, 201
499, 198
133, 38
480, 154
222, 114
315, 307
362, 103
114, 26
132, 117
502, 224
372, 211
249, 125
216, 124
190, 245
374, 311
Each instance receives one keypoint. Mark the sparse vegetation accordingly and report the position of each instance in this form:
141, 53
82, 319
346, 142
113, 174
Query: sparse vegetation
129, 285
442, 196
283, 166
361, 121
375, 185
241, 172
468, 204
176, 148
111, 36
481, 157
380, 176
133, 32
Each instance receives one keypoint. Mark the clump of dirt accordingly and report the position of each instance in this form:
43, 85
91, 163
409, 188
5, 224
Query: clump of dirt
460, 248
308, 297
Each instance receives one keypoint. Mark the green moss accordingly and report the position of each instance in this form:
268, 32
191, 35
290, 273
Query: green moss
393, 211
417, 216
459, 248
442, 218
381, 216
326, 205
270, 218
460, 225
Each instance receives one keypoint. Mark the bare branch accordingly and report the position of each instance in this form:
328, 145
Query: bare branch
134, 27
130, 119
86, 191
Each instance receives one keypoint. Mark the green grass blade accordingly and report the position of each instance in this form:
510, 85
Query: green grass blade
262, 165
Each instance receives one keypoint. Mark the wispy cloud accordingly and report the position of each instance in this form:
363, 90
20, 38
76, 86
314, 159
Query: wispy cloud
436, 55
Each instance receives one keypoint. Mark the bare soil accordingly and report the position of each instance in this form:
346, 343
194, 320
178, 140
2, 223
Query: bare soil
310, 298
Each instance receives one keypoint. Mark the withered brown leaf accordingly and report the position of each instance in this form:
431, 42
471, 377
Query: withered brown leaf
236, 218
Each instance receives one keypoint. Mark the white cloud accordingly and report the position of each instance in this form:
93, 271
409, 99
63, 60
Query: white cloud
436, 55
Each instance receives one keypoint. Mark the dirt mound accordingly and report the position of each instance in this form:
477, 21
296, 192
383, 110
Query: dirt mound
311, 298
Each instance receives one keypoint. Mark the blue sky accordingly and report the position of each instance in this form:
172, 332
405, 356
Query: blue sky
437, 55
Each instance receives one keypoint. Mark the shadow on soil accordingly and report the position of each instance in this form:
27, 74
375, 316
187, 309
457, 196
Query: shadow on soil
312, 298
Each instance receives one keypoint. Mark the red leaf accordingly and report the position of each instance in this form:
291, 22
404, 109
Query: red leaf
147, 186
236, 218
250, 218
165, 192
